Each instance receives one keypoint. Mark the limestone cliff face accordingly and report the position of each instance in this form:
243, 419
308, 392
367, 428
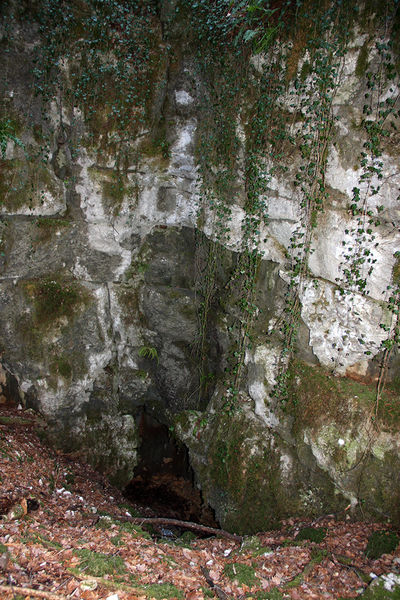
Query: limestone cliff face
105, 261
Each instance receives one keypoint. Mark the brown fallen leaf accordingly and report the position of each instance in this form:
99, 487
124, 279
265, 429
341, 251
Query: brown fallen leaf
214, 575
4, 559
46, 546
296, 595
193, 595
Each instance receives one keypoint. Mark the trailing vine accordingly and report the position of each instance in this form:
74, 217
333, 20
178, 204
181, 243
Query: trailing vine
377, 111
313, 99
393, 329
380, 110
217, 154
323, 42
107, 72
240, 27
7, 134
100, 60
267, 134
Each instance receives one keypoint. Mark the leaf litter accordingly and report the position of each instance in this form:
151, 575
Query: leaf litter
62, 535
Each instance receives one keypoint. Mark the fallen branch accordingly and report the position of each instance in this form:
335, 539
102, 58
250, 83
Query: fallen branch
215, 588
182, 525
12, 589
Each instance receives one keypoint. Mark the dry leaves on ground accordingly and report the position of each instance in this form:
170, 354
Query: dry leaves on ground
60, 537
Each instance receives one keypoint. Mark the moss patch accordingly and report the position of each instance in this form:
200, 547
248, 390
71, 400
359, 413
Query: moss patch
243, 573
271, 595
3, 549
313, 534
44, 541
381, 542
14, 421
251, 478
47, 227
396, 272
159, 591
362, 60
316, 396
128, 299
25, 183
62, 366
99, 564
156, 147
116, 186
133, 529
252, 543
54, 297
384, 589
246, 480
117, 540
62, 363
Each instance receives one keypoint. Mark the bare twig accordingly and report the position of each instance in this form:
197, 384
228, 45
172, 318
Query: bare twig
12, 589
215, 588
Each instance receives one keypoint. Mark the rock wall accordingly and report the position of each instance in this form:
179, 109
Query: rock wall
122, 273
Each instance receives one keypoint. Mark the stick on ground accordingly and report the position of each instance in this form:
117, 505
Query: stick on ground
12, 589
182, 525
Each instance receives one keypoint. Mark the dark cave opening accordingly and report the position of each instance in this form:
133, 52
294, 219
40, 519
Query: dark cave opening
163, 480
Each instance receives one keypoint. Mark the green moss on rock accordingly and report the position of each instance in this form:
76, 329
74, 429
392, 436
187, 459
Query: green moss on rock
362, 60
396, 272
317, 396
243, 479
313, 534
116, 186
128, 299
54, 297
47, 227
386, 587
25, 183
381, 542
63, 367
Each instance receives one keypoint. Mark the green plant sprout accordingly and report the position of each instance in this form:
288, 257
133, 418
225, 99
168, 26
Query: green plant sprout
148, 352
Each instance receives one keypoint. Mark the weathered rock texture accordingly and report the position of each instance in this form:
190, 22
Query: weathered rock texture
102, 283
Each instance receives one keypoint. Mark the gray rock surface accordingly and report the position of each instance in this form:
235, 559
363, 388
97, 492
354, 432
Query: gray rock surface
103, 281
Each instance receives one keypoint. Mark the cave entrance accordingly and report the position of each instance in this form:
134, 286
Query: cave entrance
163, 480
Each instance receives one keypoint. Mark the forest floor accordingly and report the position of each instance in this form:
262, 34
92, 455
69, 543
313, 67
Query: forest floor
62, 535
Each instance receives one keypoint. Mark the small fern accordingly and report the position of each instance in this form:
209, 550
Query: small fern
149, 352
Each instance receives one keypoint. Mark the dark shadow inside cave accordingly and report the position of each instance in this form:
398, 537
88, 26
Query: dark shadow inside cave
163, 480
